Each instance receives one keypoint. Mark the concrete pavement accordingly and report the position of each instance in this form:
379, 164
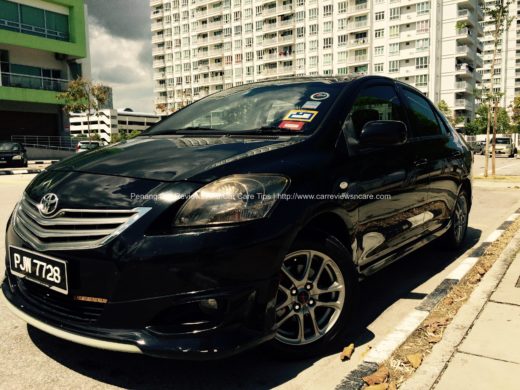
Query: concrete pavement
489, 356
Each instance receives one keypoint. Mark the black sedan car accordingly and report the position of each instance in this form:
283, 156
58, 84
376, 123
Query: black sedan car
247, 217
12, 154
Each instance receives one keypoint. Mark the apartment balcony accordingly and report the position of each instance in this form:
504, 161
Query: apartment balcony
462, 104
358, 42
463, 71
159, 88
286, 38
157, 26
158, 38
157, 51
357, 9
465, 35
269, 26
17, 80
155, 2
159, 75
270, 41
157, 13
158, 63
358, 59
216, 39
214, 10
286, 23
464, 51
463, 86
467, 4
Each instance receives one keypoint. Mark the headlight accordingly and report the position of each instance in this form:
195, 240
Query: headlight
232, 199
17, 157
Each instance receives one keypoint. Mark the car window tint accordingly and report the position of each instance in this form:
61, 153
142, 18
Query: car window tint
374, 103
423, 120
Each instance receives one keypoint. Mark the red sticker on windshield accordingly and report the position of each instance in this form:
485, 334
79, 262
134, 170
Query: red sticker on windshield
290, 125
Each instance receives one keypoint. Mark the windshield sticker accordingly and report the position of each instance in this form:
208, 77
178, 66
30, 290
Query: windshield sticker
320, 96
301, 115
311, 104
289, 125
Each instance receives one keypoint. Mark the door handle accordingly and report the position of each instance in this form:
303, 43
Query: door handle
420, 162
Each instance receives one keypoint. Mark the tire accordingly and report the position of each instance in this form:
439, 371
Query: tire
454, 237
298, 297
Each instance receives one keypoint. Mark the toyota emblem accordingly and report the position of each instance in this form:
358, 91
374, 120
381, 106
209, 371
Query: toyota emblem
48, 204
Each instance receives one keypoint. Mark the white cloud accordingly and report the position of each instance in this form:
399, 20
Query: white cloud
116, 62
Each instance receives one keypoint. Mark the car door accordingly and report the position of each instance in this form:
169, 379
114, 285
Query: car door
439, 156
382, 183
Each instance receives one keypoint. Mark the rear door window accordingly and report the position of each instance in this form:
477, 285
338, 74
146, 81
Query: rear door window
423, 120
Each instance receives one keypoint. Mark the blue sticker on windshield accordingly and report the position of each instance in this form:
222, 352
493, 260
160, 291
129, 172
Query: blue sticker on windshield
301, 115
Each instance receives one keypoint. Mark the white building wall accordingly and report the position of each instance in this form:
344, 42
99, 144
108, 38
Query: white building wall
193, 54
111, 122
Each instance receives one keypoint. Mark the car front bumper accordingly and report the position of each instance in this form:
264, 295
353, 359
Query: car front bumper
161, 293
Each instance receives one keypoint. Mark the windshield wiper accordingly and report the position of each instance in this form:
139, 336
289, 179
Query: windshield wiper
273, 130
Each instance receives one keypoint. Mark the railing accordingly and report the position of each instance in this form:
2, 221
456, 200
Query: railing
48, 142
17, 80
33, 30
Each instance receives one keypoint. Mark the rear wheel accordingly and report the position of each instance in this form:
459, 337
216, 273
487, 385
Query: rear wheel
454, 237
317, 294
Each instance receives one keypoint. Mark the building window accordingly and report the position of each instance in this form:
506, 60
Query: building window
421, 62
380, 15
313, 29
342, 7
34, 21
423, 26
249, 56
421, 80
380, 33
422, 44
327, 43
342, 57
423, 8
342, 24
327, 10
327, 27
300, 16
343, 70
327, 59
300, 32
394, 31
313, 45
395, 13
379, 50
313, 61
300, 47
393, 49
342, 40
313, 13
393, 66
378, 68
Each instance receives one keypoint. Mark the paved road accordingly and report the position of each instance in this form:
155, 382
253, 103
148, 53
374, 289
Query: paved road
504, 166
31, 358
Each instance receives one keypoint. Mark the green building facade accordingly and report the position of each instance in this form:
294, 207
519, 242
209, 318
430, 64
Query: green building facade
43, 45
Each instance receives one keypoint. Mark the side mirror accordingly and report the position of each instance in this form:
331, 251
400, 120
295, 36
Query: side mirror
383, 133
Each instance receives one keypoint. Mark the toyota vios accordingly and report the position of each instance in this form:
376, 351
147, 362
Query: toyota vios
246, 217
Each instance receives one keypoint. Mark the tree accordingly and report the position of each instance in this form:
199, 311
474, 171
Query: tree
515, 110
83, 95
479, 124
498, 14
445, 109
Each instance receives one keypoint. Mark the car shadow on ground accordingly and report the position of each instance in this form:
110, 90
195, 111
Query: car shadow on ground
255, 369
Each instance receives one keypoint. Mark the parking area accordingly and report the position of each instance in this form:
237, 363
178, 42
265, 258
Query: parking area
505, 166
34, 357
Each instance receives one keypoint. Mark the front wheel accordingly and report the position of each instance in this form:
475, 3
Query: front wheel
316, 298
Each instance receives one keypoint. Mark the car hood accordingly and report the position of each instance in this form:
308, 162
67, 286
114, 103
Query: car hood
170, 158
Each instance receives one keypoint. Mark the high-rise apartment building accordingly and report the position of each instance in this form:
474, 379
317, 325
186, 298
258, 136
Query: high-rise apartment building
506, 76
43, 45
203, 46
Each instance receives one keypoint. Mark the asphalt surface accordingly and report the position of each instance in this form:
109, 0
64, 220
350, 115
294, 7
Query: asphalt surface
31, 358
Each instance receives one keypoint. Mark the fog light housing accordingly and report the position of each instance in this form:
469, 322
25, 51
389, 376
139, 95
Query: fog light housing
209, 306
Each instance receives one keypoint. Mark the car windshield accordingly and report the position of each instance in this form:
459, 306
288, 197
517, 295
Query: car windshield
503, 141
9, 147
281, 107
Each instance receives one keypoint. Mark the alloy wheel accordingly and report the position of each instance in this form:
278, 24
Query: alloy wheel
311, 296
460, 218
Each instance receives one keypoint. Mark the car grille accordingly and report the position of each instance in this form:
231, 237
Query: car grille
71, 228
58, 305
